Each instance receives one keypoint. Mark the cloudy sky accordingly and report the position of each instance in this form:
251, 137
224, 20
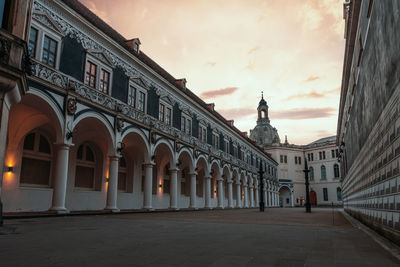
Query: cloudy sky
231, 50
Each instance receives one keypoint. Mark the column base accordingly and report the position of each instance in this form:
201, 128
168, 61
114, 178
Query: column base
59, 210
112, 209
195, 208
172, 208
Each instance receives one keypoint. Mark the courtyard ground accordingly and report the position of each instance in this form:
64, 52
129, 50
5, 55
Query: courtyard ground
277, 237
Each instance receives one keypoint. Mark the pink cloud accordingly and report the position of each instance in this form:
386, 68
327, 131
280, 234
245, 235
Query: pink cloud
218, 92
236, 113
302, 114
311, 78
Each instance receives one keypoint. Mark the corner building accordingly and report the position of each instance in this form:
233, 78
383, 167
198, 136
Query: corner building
369, 115
321, 155
96, 124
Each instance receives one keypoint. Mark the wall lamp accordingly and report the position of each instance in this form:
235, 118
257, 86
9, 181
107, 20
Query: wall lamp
160, 185
9, 169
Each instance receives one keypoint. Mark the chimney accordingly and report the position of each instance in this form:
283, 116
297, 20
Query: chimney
134, 44
181, 83
230, 122
244, 134
211, 106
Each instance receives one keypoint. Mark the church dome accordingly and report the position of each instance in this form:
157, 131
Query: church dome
264, 134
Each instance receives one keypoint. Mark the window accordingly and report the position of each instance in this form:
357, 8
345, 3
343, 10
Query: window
339, 194
186, 124
320, 155
325, 191
333, 153
235, 151
122, 170
49, 51
226, 146
323, 155
165, 113
32, 44
312, 156
36, 160
299, 160
337, 153
281, 159
141, 101
132, 96
311, 174
323, 172
336, 170
202, 133
285, 159
91, 72
104, 81
308, 156
215, 141
85, 167
98, 75
295, 160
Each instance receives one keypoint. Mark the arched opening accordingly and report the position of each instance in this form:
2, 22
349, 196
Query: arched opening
285, 197
214, 183
263, 114
313, 198
185, 167
226, 175
135, 154
202, 169
235, 180
162, 171
88, 167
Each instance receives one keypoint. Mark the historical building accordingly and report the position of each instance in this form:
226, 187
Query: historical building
369, 115
95, 124
322, 157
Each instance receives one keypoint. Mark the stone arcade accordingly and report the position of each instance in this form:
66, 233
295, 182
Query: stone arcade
99, 125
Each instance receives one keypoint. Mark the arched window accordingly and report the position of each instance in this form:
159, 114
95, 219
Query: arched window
311, 174
85, 167
122, 170
36, 160
339, 193
263, 114
323, 172
336, 170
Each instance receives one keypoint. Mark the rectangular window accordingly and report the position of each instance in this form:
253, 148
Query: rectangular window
295, 160
91, 71
312, 156
104, 81
141, 101
325, 190
337, 153
323, 154
202, 134
226, 146
216, 141
299, 160
168, 116
285, 159
32, 42
132, 96
188, 126
333, 153
281, 158
49, 52
308, 156
161, 112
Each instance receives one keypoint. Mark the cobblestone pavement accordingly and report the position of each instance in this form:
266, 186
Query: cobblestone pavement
277, 237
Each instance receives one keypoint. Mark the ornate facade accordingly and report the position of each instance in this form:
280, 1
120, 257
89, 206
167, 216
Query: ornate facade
99, 125
369, 115
322, 157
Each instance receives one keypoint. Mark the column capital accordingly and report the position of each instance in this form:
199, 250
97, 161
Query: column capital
63, 146
114, 157
230, 182
192, 173
149, 164
207, 177
174, 170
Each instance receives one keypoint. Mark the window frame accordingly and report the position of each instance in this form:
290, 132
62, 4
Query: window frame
42, 30
100, 65
184, 122
202, 133
86, 163
167, 106
215, 140
138, 90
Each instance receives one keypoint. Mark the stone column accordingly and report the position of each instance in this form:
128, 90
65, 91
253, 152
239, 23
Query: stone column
60, 179
230, 195
257, 195
277, 198
208, 192
174, 189
220, 193
193, 190
252, 196
269, 198
291, 199
238, 195
112, 191
148, 186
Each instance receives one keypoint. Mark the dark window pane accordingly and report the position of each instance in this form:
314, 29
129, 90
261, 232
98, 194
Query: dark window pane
122, 162
89, 154
44, 146
122, 181
29, 141
84, 177
32, 42
80, 152
35, 171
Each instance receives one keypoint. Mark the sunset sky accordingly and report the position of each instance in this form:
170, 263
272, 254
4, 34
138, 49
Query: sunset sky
231, 50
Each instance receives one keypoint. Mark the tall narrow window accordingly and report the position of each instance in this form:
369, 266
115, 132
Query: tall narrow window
333, 153
339, 194
281, 158
325, 191
323, 154
122, 170
161, 112
132, 96
299, 160
320, 155
91, 71
323, 172
141, 101
168, 116
49, 52
33, 35
336, 170
312, 156
295, 160
285, 158
104, 81
36, 160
